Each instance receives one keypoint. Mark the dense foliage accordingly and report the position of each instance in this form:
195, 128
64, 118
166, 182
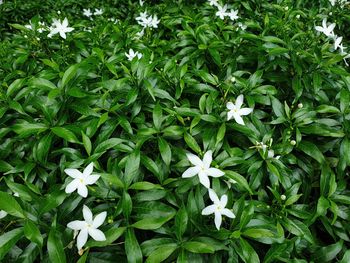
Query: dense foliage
194, 132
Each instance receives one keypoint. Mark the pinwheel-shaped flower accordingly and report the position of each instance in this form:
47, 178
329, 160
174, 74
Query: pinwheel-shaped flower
88, 227
132, 54
235, 110
81, 180
218, 208
202, 168
327, 30
60, 27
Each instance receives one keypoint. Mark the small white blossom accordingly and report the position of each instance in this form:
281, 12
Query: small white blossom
131, 55
221, 11
141, 2
98, 12
233, 14
81, 180
218, 208
213, 2
202, 168
87, 12
235, 110
61, 28
241, 26
327, 30
88, 227
337, 42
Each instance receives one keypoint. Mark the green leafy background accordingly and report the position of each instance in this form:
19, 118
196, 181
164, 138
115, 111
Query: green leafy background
66, 103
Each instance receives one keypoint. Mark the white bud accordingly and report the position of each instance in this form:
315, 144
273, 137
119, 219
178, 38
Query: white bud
286, 8
297, 16
233, 79
300, 105
283, 197
292, 142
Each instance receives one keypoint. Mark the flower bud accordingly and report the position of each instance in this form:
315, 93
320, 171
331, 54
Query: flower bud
300, 105
233, 79
293, 142
283, 197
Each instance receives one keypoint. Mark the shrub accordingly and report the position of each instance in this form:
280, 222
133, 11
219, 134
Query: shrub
192, 132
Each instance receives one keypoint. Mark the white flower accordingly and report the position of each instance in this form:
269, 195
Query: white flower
332, 2
242, 26
81, 180
141, 2
154, 22
221, 11
61, 28
235, 110
98, 12
337, 43
29, 27
87, 12
133, 54
88, 227
233, 15
2, 214
218, 208
213, 2
327, 30
271, 155
1, 2
202, 168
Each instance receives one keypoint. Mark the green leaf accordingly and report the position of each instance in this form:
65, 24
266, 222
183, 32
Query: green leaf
55, 247
10, 205
65, 134
108, 144
198, 247
86, 143
32, 232
241, 181
25, 128
145, 186
15, 86
161, 253
258, 233
191, 142
152, 223
132, 167
298, 228
181, 220
311, 150
69, 74
8, 240
111, 235
157, 116
164, 150
132, 247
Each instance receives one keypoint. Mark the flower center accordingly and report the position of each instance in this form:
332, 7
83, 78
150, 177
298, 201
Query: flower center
81, 180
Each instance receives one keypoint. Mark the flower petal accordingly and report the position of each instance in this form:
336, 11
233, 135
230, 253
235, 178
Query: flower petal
99, 219
3, 214
230, 105
74, 173
63, 34
92, 179
228, 213
229, 115
213, 196
223, 200
72, 186
239, 101
82, 190
238, 118
245, 111
207, 159
208, 210
194, 159
82, 238
214, 172
218, 220
76, 225
203, 179
88, 170
87, 215
97, 234
190, 172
